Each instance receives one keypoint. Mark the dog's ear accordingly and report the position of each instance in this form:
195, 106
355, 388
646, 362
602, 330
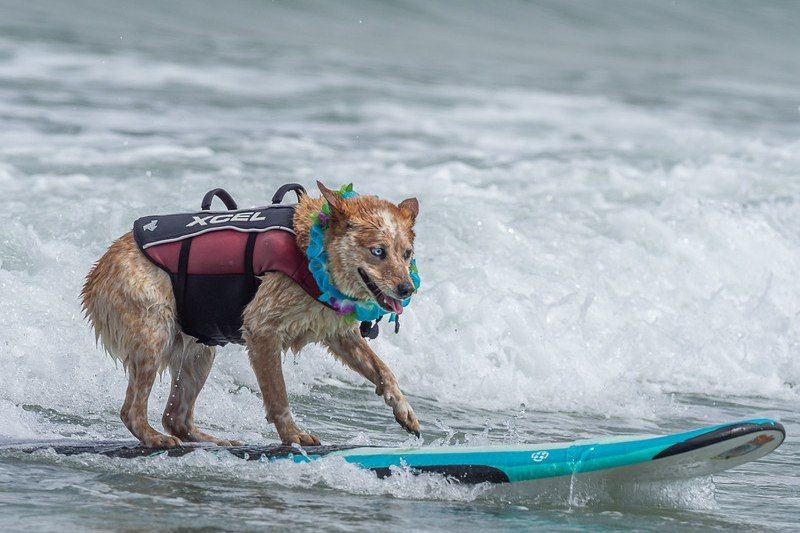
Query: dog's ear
333, 199
410, 206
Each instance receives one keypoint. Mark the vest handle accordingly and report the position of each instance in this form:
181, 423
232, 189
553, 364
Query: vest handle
223, 195
281, 192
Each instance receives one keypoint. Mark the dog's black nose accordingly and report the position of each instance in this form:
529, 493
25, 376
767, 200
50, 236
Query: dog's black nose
405, 289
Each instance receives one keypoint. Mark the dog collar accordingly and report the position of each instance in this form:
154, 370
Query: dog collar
348, 307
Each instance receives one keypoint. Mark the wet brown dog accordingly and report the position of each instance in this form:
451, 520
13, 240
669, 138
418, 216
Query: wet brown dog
131, 306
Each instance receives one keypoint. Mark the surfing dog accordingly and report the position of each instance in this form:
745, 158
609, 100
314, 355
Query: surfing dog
131, 306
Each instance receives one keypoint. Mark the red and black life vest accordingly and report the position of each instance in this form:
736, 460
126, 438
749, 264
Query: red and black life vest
213, 258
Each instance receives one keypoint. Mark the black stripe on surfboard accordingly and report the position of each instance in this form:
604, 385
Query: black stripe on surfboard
718, 435
471, 474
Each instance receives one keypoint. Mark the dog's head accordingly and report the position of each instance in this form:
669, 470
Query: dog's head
370, 244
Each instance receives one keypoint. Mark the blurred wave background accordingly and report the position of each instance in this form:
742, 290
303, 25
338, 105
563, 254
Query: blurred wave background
608, 239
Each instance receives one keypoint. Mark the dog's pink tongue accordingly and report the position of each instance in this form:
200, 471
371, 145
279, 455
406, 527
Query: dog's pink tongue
395, 305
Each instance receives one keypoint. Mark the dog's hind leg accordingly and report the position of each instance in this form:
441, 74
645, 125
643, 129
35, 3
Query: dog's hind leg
142, 367
190, 363
130, 305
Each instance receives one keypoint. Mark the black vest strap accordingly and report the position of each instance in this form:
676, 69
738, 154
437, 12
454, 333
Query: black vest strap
280, 193
183, 267
248, 260
223, 195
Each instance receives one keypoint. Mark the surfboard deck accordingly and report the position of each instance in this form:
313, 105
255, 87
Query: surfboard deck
689, 454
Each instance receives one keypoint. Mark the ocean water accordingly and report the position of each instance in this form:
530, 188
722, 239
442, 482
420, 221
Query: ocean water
608, 242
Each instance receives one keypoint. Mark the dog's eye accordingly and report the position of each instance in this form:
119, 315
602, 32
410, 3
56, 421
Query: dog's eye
378, 251
407, 255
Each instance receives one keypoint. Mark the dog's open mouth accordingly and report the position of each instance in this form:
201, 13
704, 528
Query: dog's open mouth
387, 302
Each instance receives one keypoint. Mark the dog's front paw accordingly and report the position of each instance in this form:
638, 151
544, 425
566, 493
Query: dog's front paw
303, 439
405, 416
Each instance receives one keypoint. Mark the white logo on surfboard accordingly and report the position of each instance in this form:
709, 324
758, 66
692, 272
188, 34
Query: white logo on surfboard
540, 456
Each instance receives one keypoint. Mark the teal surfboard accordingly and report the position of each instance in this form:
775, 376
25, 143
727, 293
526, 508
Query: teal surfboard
694, 453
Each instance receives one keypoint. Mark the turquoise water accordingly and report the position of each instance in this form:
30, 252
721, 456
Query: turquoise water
608, 244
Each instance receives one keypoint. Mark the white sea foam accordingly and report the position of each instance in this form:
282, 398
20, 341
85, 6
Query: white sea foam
330, 472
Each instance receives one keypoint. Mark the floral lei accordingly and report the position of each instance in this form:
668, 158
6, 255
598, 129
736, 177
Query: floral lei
348, 307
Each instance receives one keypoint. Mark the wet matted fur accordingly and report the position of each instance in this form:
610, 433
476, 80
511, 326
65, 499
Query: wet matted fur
130, 304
